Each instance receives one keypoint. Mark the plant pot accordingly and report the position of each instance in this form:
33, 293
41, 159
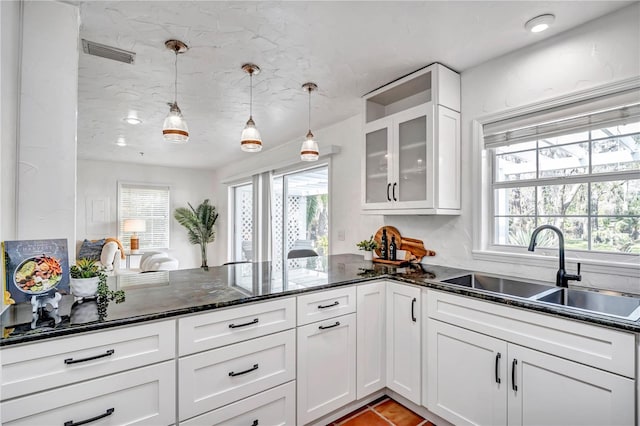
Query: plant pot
84, 287
368, 255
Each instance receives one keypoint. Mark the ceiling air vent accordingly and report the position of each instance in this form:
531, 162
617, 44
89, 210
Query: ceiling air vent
108, 52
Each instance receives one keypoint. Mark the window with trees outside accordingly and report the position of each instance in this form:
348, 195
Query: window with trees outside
581, 174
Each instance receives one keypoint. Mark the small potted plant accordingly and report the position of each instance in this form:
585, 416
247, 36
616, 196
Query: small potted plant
368, 246
85, 277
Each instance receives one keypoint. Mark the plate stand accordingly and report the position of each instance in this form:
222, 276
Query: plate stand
41, 301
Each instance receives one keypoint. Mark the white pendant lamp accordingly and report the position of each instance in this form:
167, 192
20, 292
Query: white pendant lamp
309, 150
175, 128
250, 140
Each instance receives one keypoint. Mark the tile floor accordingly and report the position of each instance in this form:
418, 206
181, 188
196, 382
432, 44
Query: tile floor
382, 412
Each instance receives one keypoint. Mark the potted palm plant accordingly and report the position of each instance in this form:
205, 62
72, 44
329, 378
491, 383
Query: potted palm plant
199, 223
368, 246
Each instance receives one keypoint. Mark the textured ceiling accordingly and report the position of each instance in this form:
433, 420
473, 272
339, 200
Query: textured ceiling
348, 48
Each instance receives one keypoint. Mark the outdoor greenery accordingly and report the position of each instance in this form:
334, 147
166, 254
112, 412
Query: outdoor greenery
317, 216
199, 222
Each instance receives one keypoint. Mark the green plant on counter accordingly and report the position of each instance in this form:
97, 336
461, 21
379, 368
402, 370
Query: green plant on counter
88, 268
367, 245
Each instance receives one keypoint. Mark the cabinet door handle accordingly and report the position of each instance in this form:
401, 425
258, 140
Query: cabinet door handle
498, 356
413, 309
92, 419
324, 327
388, 188
513, 374
255, 423
255, 321
90, 358
394, 191
232, 374
336, 303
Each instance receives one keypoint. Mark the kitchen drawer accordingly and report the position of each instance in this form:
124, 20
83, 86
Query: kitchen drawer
220, 328
38, 366
326, 304
214, 378
275, 406
599, 347
144, 396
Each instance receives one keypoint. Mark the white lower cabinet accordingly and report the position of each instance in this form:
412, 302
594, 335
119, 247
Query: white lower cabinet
474, 379
326, 366
143, 396
211, 379
274, 407
371, 347
403, 340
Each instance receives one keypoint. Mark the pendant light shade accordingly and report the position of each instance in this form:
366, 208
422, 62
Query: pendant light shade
309, 150
250, 140
175, 128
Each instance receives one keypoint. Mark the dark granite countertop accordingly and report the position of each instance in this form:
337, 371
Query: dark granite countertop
158, 295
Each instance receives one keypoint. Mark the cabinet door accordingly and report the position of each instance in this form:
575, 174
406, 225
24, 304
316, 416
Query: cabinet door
413, 181
377, 165
326, 366
547, 390
466, 375
371, 346
447, 151
403, 340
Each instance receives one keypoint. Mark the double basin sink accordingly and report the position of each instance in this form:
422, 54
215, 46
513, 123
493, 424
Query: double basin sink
608, 304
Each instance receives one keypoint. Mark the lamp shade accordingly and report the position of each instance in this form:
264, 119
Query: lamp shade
309, 150
135, 225
175, 128
250, 140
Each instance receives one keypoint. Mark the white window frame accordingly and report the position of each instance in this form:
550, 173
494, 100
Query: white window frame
120, 218
482, 196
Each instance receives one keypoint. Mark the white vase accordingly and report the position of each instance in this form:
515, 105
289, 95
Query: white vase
84, 287
368, 255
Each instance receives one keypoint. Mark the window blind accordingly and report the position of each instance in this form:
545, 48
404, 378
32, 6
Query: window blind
610, 111
149, 203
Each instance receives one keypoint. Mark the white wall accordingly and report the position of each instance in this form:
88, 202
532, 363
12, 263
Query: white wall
48, 117
9, 87
99, 180
599, 52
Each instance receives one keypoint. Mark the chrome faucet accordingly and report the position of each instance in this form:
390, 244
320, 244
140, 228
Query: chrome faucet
562, 278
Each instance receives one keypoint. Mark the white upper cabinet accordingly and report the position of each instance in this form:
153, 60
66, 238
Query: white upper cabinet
411, 153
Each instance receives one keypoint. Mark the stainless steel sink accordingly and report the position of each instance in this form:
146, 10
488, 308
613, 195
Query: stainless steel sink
619, 306
500, 285
592, 301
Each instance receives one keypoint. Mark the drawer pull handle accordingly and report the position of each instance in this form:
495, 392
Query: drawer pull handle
92, 419
413, 310
498, 356
324, 327
232, 374
255, 423
513, 375
336, 303
255, 321
91, 358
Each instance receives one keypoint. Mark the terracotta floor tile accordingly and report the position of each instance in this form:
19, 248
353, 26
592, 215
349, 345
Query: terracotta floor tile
351, 414
366, 418
375, 402
397, 414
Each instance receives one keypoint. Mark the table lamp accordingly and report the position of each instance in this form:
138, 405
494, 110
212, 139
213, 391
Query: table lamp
135, 226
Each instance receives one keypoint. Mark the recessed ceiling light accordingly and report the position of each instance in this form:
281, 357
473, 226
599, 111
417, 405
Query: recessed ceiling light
132, 120
539, 23
121, 141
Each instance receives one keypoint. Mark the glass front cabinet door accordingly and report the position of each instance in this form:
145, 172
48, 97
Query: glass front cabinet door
377, 164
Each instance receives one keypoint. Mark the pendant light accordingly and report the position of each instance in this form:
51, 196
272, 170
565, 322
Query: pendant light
309, 150
250, 140
175, 128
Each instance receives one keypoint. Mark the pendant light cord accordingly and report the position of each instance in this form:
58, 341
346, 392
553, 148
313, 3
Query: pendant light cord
251, 94
175, 93
309, 89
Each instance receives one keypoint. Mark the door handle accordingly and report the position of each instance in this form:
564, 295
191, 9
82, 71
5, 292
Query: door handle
413, 309
388, 188
255, 321
394, 191
498, 356
513, 374
336, 303
90, 358
249, 370
92, 419
324, 327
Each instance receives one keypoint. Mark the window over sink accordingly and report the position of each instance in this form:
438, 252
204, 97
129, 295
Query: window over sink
575, 165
